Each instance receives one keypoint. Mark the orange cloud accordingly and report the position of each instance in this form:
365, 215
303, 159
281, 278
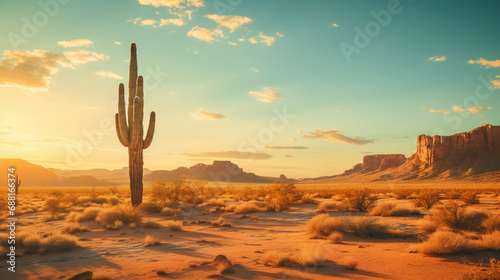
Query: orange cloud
231, 22
203, 115
204, 34
437, 58
267, 95
485, 63
336, 136
75, 43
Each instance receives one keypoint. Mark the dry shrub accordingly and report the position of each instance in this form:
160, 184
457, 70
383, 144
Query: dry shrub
59, 243
174, 226
220, 223
328, 205
166, 211
323, 225
426, 199
359, 199
492, 223
74, 227
102, 275
456, 217
351, 264
336, 237
113, 190
54, 206
151, 224
428, 226
491, 241
478, 272
281, 196
469, 198
308, 198
151, 241
4, 238
247, 207
169, 193
32, 243
452, 194
125, 214
367, 226
113, 200
403, 194
89, 214
305, 258
387, 209
443, 243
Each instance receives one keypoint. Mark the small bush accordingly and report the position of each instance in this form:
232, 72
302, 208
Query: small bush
175, 226
166, 211
359, 199
308, 198
54, 206
281, 196
220, 223
336, 237
328, 206
32, 243
59, 243
323, 225
151, 241
74, 227
426, 199
455, 216
351, 264
491, 241
387, 209
367, 226
403, 194
247, 207
469, 198
307, 258
478, 272
492, 223
428, 226
151, 224
169, 193
125, 214
443, 243
89, 214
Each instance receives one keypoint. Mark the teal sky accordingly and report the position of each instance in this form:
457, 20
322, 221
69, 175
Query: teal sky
217, 80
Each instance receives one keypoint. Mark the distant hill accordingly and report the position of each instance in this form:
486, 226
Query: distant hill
29, 173
221, 171
98, 173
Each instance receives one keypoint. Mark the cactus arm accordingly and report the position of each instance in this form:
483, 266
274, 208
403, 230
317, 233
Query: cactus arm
132, 78
122, 128
136, 130
151, 130
124, 141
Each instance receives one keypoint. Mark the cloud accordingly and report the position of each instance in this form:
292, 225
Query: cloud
400, 137
336, 136
267, 95
75, 43
5, 129
285, 147
438, 111
334, 25
230, 154
232, 43
33, 70
254, 69
437, 58
195, 3
485, 63
117, 43
231, 22
145, 22
111, 75
496, 83
162, 3
174, 21
471, 110
266, 40
203, 115
204, 34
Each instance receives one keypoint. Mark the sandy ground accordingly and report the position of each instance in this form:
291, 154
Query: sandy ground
187, 254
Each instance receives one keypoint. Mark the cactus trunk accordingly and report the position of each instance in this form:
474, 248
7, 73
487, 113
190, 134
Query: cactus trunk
130, 132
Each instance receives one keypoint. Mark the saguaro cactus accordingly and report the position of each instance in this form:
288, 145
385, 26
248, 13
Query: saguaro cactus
17, 184
131, 134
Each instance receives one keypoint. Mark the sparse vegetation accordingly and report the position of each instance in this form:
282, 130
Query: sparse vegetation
367, 226
281, 196
456, 217
58, 243
151, 241
387, 209
168, 193
328, 206
124, 214
443, 243
174, 226
351, 264
426, 199
479, 272
220, 223
359, 199
336, 237
323, 225
491, 224
307, 258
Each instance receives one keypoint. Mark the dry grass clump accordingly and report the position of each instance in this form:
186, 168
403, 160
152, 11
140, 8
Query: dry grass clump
215, 202
166, 211
443, 243
247, 207
323, 225
492, 223
308, 198
220, 223
89, 214
124, 214
151, 241
174, 226
403, 194
168, 193
359, 199
336, 237
59, 243
491, 241
54, 206
387, 209
426, 199
454, 216
32, 243
281, 196
102, 275
428, 226
469, 198
308, 257
328, 205
478, 272
151, 224
367, 226
351, 264
74, 227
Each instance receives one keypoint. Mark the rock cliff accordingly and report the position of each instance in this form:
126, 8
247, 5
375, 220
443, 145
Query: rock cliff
377, 163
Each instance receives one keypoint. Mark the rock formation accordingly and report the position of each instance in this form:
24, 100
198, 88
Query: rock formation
476, 151
377, 163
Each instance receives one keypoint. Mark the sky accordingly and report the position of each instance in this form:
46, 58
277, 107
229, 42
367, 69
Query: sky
304, 89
